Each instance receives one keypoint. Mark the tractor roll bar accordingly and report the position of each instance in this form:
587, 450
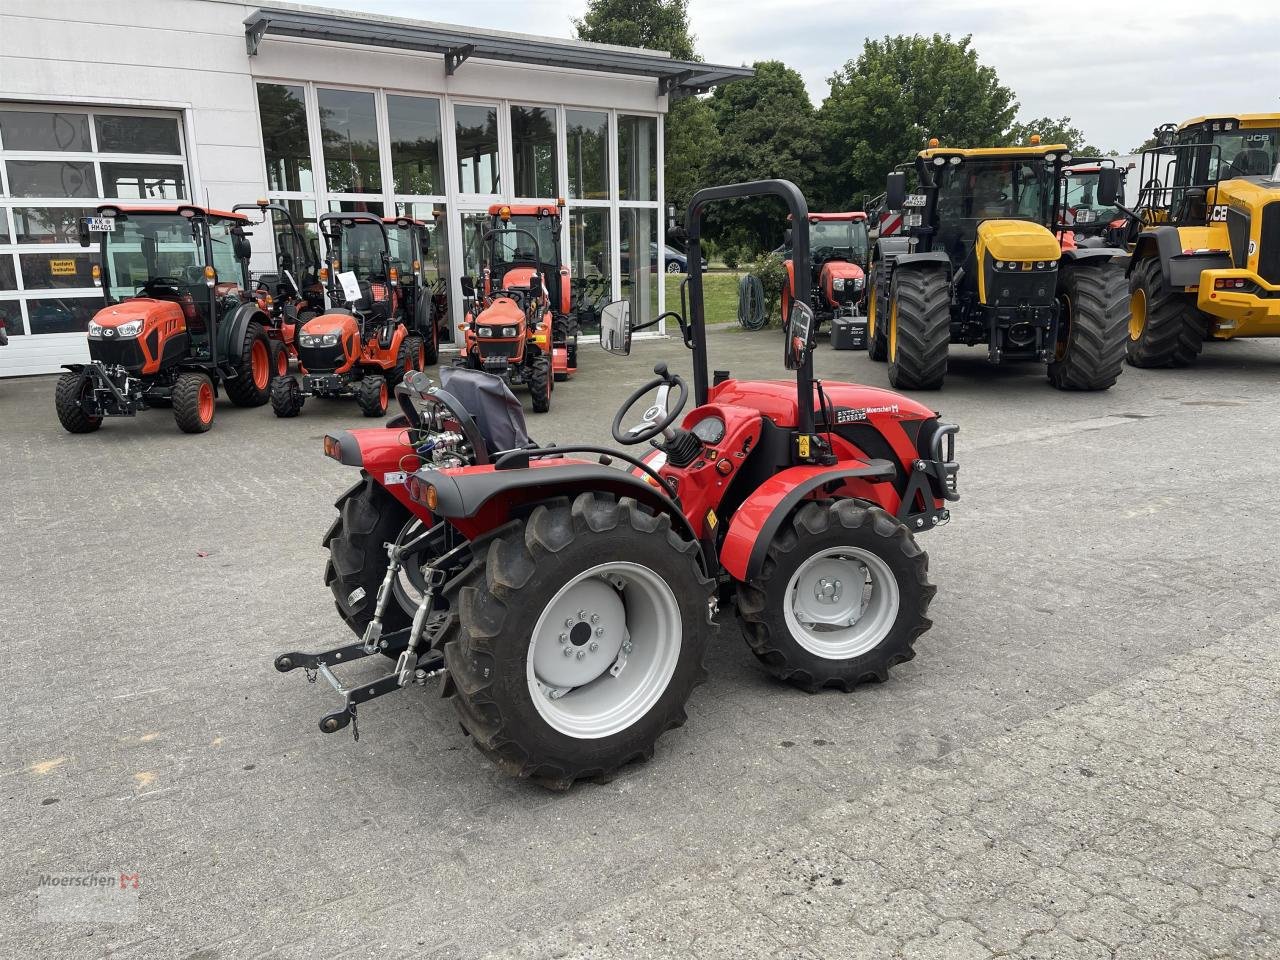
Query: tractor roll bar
799, 208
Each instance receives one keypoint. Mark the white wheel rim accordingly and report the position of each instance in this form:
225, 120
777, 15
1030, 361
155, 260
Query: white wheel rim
630, 616
841, 603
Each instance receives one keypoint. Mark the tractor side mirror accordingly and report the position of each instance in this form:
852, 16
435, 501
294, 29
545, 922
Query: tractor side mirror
468, 286
799, 335
1110, 186
615, 328
241, 248
82, 229
895, 190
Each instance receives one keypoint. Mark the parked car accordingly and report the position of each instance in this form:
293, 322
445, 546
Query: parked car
675, 260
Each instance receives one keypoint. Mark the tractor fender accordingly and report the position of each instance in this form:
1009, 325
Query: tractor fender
381, 453
479, 499
1096, 255
1178, 269
757, 521
891, 248
232, 329
929, 258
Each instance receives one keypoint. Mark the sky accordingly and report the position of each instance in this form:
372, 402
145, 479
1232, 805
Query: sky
1117, 69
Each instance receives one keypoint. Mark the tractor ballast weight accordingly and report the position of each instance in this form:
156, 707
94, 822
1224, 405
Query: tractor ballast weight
567, 593
977, 262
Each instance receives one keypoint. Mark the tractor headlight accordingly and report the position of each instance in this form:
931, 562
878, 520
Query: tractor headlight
838, 283
317, 339
130, 329
484, 331
95, 331
508, 331
857, 283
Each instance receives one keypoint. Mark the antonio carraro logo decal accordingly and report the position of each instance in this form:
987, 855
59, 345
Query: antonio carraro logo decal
859, 414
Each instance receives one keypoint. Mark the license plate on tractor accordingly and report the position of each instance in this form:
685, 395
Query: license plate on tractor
101, 224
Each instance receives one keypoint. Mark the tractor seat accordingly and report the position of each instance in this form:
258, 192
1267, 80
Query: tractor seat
497, 413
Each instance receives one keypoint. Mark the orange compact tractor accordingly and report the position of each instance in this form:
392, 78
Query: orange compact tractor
293, 292
424, 305
179, 322
518, 324
1082, 220
360, 348
837, 260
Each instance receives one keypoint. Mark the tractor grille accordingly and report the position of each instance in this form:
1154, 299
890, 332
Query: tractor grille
1034, 287
1269, 243
502, 349
122, 353
320, 359
1238, 233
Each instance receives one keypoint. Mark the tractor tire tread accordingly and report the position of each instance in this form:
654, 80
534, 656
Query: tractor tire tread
1173, 335
923, 296
1094, 357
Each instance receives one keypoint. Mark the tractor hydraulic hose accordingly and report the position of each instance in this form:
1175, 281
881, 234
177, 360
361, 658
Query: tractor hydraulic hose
751, 306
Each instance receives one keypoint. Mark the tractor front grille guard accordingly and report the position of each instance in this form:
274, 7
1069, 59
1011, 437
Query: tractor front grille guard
933, 476
418, 661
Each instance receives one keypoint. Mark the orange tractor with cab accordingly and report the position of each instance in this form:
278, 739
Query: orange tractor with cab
360, 347
837, 263
180, 322
518, 325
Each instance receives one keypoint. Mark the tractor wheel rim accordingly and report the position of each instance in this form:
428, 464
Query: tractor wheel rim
382, 395
630, 616
422, 357
1137, 314
204, 403
893, 330
871, 313
841, 603
1064, 329
260, 364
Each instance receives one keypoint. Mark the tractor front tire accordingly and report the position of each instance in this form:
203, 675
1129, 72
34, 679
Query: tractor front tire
251, 386
919, 331
1166, 329
372, 394
409, 358
540, 384
286, 397
877, 331
820, 565
193, 402
1093, 327
69, 398
581, 635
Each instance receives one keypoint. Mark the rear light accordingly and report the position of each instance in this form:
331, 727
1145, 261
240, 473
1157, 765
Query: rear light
1231, 283
332, 448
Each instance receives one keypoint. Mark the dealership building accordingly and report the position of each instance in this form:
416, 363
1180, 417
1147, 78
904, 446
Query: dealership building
218, 103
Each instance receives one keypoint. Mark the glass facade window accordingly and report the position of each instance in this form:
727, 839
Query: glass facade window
144, 181
11, 316
4, 228
57, 271
62, 314
132, 134
417, 163
637, 158
591, 263
356, 206
51, 178
48, 224
476, 130
533, 152
349, 140
45, 131
282, 111
8, 276
587, 135
639, 261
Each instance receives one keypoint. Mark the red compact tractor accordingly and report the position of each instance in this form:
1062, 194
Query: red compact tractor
569, 592
293, 293
1083, 222
424, 305
518, 322
361, 347
837, 258
179, 324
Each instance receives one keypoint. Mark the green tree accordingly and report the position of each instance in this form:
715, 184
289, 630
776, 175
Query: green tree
656, 24
692, 139
767, 129
1051, 131
899, 92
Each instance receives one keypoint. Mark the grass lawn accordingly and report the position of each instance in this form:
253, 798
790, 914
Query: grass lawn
719, 293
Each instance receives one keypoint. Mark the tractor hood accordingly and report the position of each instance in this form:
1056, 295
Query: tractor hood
153, 313
776, 399
502, 312
1016, 240
330, 323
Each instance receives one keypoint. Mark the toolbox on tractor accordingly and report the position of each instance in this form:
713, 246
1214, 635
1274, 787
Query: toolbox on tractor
360, 347
180, 321
567, 593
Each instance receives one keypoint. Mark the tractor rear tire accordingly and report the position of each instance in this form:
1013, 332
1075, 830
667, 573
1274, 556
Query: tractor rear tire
286, 397
1166, 329
540, 384
811, 656
68, 399
1095, 314
251, 386
372, 394
193, 402
622, 563
877, 332
368, 519
431, 347
919, 333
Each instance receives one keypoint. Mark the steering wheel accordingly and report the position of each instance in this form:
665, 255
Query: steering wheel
156, 282
657, 418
